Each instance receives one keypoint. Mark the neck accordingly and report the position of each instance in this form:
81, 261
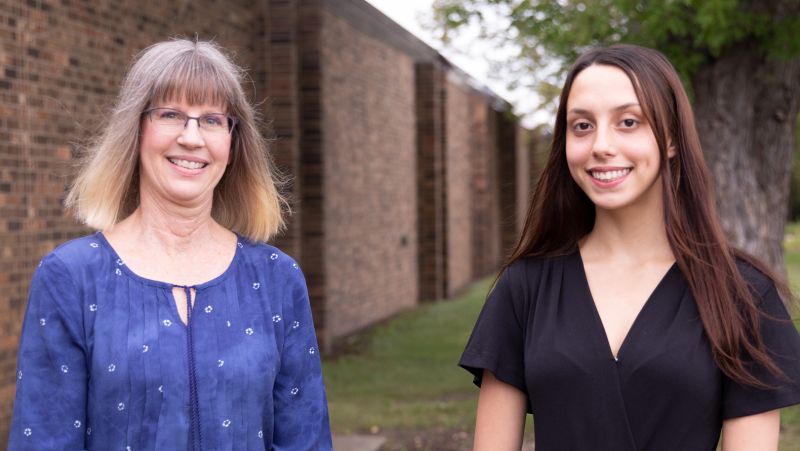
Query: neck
175, 229
635, 234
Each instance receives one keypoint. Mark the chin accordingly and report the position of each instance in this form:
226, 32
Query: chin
610, 204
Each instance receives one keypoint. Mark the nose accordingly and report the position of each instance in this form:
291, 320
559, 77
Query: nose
190, 136
603, 145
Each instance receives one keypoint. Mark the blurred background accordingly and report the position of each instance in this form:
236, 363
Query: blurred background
412, 133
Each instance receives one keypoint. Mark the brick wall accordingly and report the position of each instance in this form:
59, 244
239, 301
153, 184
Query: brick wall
459, 193
369, 146
508, 160
485, 193
431, 183
278, 45
524, 151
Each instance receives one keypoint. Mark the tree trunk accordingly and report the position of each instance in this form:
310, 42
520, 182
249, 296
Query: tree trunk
746, 106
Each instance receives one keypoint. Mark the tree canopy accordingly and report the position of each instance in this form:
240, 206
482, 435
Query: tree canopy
690, 32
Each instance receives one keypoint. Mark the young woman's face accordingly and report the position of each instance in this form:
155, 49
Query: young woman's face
183, 164
612, 153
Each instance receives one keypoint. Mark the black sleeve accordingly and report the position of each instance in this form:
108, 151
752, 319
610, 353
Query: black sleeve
496, 343
783, 344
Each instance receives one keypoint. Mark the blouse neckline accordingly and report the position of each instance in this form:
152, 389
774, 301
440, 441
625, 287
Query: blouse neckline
583, 281
121, 266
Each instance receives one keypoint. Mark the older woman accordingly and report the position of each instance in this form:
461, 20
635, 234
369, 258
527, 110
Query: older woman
174, 326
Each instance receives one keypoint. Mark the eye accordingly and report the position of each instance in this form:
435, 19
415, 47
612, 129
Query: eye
213, 120
168, 114
629, 123
581, 126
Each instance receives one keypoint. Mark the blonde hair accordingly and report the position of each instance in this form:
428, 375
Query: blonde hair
106, 189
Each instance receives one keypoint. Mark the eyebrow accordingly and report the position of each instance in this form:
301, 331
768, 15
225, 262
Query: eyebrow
624, 106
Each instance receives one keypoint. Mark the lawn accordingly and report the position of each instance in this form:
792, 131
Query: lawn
401, 379
404, 383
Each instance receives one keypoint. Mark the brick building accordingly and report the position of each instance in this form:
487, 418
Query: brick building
407, 179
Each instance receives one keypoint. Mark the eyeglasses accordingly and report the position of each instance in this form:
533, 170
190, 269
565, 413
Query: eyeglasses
175, 120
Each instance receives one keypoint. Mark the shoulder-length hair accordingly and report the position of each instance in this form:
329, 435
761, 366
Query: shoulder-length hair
560, 213
106, 189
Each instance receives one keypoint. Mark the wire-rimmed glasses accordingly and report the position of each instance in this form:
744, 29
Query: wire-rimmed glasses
170, 119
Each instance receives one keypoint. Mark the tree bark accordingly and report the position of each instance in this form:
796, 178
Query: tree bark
746, 105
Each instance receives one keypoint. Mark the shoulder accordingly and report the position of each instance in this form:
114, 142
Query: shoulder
755, 277
268, 258
533, 270
85, 248
63, 275
76, 256
521, 283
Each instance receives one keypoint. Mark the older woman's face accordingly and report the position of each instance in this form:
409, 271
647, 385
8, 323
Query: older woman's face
182, 165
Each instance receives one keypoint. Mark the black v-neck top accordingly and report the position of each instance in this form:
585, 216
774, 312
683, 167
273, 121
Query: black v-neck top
540, 332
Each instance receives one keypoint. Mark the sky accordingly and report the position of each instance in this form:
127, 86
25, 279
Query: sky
467, 52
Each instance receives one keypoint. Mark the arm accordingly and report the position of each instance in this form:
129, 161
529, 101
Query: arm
752, 433
501, 416
50, 402
301, 409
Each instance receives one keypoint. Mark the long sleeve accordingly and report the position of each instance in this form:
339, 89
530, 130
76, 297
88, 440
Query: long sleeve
50, 403
301, 412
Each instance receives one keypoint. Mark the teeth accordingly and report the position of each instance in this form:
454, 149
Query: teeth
607, 176
187, 164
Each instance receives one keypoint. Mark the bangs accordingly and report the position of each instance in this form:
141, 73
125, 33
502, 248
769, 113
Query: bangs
195, 79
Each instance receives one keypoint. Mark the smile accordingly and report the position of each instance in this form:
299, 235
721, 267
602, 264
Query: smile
187, 164
609, 176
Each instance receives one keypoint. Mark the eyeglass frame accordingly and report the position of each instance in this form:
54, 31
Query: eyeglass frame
231, 119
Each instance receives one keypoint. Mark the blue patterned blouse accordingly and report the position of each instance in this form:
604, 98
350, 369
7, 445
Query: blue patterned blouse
105, 363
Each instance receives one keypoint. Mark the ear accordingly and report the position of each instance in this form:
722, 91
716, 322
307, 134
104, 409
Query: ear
671, 150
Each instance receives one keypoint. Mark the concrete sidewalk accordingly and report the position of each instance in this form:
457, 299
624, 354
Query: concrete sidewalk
375, 442
358, 442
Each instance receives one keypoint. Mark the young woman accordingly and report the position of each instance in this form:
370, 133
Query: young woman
174, 327
624, 320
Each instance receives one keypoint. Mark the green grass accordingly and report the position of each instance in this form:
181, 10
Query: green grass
790, 417
404, 377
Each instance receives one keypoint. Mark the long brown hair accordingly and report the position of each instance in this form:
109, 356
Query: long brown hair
560, 213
